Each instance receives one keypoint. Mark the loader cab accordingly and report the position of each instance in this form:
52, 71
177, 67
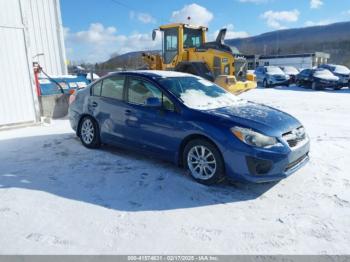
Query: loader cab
179, 37
192, 38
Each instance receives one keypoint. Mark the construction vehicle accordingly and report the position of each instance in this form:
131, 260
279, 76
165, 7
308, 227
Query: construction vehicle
185, 50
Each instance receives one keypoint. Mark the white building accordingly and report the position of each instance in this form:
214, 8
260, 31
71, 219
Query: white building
30, 31
308, 60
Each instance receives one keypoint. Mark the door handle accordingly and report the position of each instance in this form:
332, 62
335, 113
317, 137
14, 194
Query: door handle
94, 104
127, 112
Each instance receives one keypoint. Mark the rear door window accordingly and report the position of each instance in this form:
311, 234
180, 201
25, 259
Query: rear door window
96, 89
113, 87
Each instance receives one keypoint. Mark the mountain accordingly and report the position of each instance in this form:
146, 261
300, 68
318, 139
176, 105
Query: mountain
333, 39
131, 60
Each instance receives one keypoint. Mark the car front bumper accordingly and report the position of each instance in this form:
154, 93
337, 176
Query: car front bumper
266, 165
274, 82
327, 84
344, 82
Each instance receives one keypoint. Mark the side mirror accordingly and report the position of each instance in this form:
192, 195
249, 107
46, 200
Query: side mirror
153, 102
154, 34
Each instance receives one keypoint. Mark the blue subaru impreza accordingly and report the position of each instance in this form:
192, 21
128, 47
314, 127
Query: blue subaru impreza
192, 122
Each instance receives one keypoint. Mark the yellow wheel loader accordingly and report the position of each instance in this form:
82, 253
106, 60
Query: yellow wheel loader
184, 49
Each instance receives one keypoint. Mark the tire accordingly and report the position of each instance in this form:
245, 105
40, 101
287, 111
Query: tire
265, 84
314, 86
206, 168
89, 133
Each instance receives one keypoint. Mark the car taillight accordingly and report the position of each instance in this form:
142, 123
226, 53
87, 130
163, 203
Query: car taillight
72, 96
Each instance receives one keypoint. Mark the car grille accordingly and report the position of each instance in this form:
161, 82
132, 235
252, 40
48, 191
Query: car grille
345, 79
295, 137
296, 162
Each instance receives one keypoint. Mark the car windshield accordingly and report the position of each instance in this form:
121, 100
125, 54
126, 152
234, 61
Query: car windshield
339, 69
198, 93
274, 70
290, 70
323, 73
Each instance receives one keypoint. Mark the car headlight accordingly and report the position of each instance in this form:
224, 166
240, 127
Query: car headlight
253, 138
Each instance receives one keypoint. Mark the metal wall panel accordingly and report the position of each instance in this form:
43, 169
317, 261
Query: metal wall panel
27, 27
45, 34
16, 94
10, 14
298, 62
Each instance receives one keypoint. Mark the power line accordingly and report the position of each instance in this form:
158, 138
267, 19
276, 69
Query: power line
122, 4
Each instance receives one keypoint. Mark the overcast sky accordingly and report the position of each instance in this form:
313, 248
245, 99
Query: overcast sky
95, 29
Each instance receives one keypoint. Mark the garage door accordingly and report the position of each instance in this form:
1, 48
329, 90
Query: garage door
16, 89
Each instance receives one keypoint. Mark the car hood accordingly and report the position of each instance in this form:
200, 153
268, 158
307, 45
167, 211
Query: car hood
342, 75
265, 119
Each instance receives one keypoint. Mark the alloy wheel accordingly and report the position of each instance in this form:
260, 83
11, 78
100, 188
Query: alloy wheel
201, 162
87, 131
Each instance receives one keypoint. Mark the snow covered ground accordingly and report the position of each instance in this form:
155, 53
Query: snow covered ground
56, 197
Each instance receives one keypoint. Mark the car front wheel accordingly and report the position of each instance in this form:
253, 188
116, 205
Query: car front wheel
314, 86
89, 133
204, 162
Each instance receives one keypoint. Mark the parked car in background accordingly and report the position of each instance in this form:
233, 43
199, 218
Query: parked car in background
340, 71
292, 72
192, 122
270, 76
317, 79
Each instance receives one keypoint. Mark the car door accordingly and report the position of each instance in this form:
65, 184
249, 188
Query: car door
156, 130
106, 104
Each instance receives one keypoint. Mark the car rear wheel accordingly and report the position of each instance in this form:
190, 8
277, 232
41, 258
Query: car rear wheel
89, 133
204, 162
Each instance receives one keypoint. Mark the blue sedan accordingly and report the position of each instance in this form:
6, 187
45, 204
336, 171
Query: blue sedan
192, 122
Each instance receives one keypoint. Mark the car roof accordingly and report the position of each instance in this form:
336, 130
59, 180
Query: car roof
152, 73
